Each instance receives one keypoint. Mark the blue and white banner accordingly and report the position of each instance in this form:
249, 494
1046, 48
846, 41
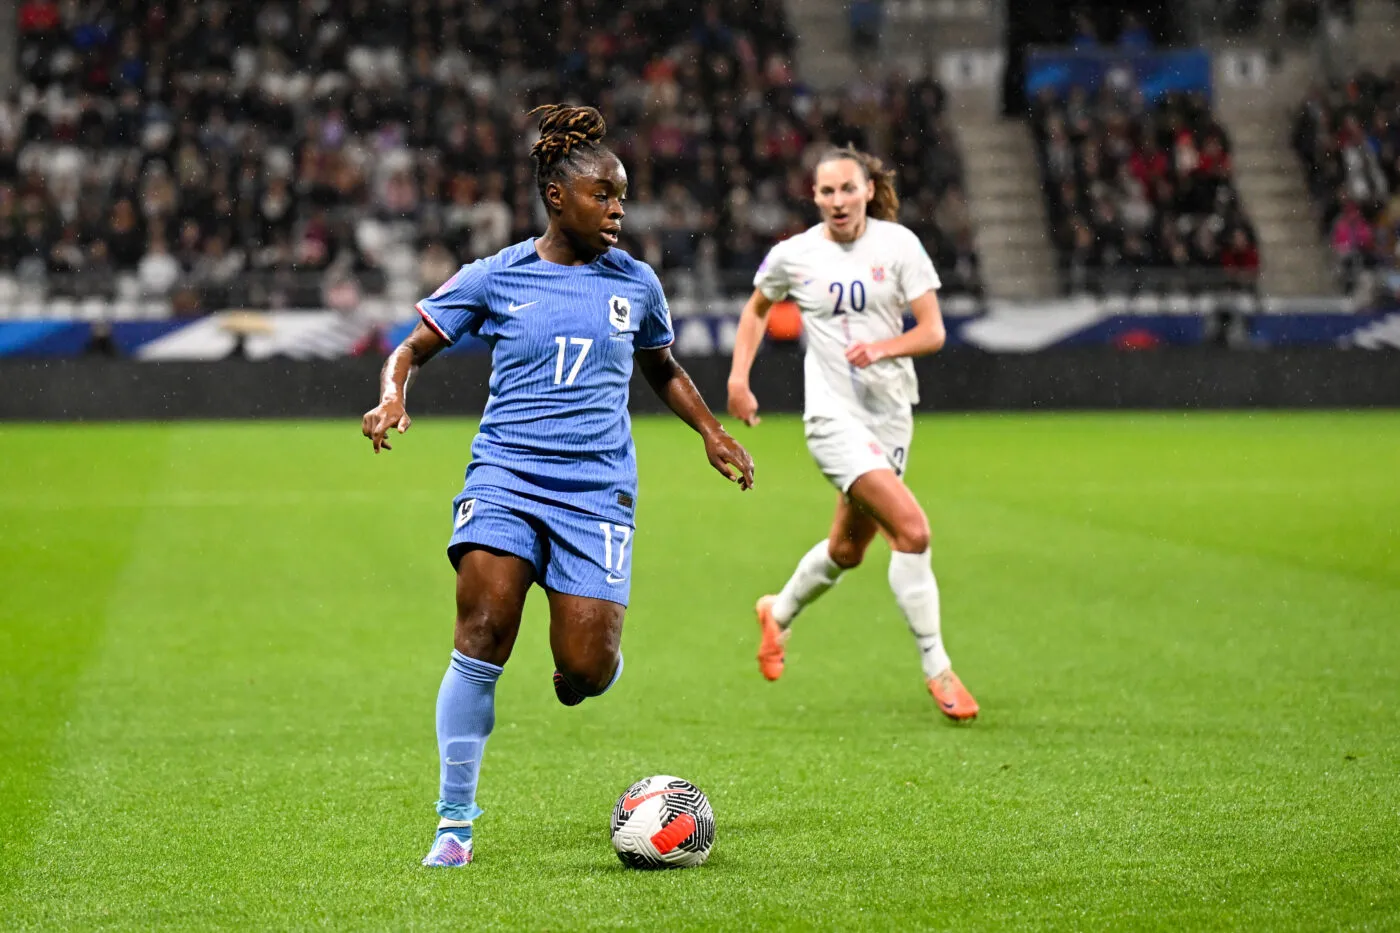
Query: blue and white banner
1156, 73
1004, 328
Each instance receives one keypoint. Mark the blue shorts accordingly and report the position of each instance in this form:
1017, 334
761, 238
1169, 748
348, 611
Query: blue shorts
573, 552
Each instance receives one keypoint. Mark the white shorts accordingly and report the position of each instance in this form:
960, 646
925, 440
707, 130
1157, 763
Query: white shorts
846, 449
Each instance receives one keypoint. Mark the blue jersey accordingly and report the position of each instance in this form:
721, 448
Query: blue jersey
562, 338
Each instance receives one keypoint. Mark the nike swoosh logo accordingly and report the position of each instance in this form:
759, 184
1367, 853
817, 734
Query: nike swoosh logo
615, 580
515, 307
631, 803
467, 762
946, 705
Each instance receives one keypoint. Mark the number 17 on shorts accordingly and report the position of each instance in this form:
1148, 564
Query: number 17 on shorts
615, 541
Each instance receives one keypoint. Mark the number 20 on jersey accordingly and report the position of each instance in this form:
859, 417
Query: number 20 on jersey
848, 299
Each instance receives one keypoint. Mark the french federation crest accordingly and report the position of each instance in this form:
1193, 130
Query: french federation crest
877, 273
619, 312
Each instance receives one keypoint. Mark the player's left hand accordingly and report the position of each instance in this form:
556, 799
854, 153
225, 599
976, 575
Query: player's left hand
378, 421
728, 455
861, 355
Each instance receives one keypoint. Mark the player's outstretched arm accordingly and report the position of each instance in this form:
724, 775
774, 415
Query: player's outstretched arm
418, 347
743, 404
926, 336
672, 384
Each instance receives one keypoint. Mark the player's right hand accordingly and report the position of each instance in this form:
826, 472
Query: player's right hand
743, 404
378, 421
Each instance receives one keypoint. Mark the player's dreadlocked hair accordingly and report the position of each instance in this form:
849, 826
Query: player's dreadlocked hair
885, 204
568, 135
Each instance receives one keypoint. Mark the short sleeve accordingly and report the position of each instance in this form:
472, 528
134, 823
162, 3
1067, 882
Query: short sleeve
654, 330
772, 275
916, 272
458, 307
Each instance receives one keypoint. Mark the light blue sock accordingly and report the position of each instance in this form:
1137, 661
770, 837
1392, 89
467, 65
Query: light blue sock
616, 674
466, 714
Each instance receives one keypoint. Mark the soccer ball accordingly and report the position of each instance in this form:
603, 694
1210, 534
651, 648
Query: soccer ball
663, 822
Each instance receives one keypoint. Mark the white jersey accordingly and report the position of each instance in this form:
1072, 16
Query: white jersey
851, 293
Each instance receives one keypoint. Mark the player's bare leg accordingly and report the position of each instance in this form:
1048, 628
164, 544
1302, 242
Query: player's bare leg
852, 530
585, 635
491, 588
884, 496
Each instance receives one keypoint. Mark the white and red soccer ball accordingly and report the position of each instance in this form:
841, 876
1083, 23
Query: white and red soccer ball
663, 822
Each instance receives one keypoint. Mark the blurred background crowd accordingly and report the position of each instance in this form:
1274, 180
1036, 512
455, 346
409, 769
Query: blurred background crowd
1134, 189
305, 153
1348, 138
315, 153
1139, 192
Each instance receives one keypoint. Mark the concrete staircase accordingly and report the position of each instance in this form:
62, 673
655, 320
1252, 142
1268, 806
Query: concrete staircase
1294, 259
1377, 26
824, 58
1004, 193
919, 30
9, 46
999, 165
1003, 181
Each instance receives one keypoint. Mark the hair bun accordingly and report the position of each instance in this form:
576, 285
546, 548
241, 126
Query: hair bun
562, 128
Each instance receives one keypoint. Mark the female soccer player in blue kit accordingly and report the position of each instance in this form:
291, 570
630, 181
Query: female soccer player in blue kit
552, 485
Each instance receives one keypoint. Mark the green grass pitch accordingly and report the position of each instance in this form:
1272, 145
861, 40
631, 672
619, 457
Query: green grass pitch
220, 646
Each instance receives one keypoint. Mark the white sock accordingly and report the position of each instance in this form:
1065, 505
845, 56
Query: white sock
916, 591
445, 823
815, 574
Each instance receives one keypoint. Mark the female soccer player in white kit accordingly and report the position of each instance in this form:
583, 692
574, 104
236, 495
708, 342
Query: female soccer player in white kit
853, 275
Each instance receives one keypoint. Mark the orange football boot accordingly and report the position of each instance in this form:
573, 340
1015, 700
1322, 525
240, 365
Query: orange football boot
772, 641
952, 697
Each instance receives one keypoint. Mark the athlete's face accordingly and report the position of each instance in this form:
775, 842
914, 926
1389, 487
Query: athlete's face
590, 204
841, 191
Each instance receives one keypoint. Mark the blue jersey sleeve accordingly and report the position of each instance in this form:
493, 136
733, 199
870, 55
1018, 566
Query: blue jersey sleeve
458, 307
654, 330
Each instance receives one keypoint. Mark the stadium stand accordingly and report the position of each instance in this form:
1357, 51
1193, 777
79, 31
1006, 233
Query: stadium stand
176, 159
1140, 196
1348, 138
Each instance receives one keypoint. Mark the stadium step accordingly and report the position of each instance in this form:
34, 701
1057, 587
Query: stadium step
1294, 258
1377, 24
1269, 211
1008, 209
824, 56
1003, 184
1289, 234
999, 166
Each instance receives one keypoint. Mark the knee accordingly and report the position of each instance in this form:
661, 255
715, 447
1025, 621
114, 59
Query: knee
590, 676
845, 553
482, 634
911, 535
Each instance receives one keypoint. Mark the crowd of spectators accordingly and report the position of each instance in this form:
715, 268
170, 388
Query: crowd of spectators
1348, 138
1139, 194
305, 152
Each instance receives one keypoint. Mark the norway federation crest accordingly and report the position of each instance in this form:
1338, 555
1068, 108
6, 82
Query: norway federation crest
619, 312
443, 288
